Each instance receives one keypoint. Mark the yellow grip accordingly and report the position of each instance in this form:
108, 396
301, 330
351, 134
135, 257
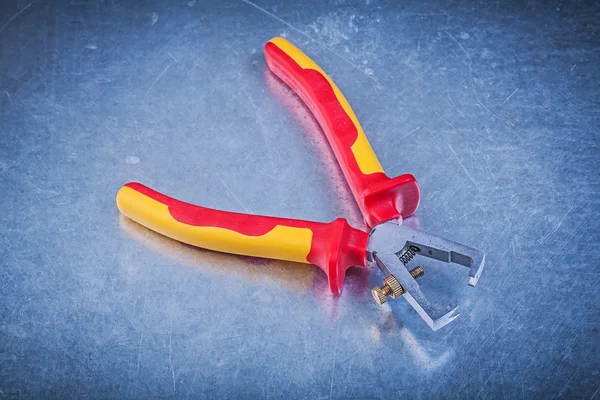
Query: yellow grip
249, 235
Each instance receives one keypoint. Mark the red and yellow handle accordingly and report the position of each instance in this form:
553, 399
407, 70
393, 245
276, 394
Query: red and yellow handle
334, 247
379, 197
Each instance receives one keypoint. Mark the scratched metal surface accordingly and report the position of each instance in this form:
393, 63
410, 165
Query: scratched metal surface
494, 108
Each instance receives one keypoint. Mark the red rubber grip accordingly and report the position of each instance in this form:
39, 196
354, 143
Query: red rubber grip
379, 197
333, 247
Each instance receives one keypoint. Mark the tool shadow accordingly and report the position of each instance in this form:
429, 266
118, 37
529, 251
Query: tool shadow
300, 278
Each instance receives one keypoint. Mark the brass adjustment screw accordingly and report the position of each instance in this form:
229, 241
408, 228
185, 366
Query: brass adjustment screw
417, 272
391, 287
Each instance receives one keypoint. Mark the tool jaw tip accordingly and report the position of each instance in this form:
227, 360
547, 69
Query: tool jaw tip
435, 317
388, 246
477, 267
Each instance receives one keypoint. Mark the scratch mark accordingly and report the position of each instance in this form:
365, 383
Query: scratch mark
489, 138
234, 196
171, 55
572, 68
463, 167
250, 99
193, 381
15, 16
171, 356
7, 95
337, 336
452, 101
444, 119
471, 77
9, 277
595, 393
159, 76
488, 110
137, 131
511, 95
411, 132
64, 350
490, 170
557, 226
312, 39
137, 372
270, 278
482, 386
459, 45
232, 49
566, 384
5, 167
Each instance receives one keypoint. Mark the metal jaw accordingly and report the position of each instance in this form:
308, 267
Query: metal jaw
388, 246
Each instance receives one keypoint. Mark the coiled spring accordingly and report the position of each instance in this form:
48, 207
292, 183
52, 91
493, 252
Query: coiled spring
409, 254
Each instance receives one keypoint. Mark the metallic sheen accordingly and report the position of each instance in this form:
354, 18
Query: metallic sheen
492, 106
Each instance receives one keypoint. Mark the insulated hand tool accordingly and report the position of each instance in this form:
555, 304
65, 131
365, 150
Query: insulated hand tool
335, 246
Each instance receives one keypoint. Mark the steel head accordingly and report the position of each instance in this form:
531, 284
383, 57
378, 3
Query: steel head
387, 246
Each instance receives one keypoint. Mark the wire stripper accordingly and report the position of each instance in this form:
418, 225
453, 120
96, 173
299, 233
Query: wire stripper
334, 246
